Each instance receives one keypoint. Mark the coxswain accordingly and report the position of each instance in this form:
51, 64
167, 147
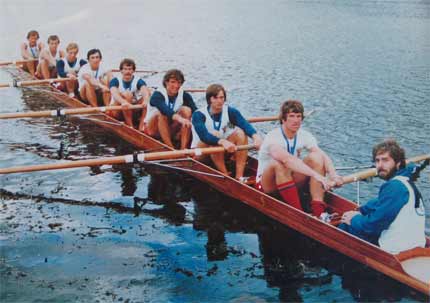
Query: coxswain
391, 220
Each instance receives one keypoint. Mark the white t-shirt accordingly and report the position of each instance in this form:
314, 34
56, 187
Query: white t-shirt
96, 74
304, 140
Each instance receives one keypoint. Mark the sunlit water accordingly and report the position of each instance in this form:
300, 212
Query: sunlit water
363, 66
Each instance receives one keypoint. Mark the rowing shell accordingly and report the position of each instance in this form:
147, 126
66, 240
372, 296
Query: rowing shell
411, 267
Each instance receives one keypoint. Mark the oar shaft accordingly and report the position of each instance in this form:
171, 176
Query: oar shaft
115, 70
33, 82
122, 159
371, 172
4, 63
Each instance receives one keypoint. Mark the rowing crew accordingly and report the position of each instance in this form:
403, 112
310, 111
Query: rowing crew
170, 113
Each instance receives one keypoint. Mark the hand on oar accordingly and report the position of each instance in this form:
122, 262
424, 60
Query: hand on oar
372, 172
132, 158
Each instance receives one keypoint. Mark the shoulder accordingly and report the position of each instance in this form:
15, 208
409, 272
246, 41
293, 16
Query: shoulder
24, 45
306, 136
141, 82
82, 62
114, 82
187, 96
198, 115
157, 95
84, 68
274, 134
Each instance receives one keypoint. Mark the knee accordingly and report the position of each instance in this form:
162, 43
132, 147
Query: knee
185, 112
315, 159
216, 133
128, 96
241, 136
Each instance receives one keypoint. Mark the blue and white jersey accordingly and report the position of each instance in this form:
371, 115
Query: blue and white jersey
132, 86
65, 67
407, 229
33, 50
223, 127
152, 110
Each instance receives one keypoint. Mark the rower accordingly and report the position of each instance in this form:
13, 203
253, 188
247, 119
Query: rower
69, 67
280, 168
129, 89
30, 50
48, 59
93, 80
169, 111
220, 124
391, 220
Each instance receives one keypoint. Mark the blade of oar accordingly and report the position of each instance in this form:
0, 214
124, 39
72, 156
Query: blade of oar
67, 112
371, 172
4, 63
141, 157
33, 82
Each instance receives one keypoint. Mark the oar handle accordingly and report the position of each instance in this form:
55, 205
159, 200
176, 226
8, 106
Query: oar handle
371, 172
141, 157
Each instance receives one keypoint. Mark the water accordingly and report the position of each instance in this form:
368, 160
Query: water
144, 235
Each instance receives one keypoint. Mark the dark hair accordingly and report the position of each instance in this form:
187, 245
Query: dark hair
53, 38
213, 90
33, 33
173, 74
92, 52
291, 106
393, 149
127, 62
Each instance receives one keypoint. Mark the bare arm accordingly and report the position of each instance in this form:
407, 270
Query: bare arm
329, 167
24, 52
117, 96
297, 165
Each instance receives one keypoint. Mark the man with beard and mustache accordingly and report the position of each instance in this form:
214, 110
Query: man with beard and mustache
390, 220
280, 168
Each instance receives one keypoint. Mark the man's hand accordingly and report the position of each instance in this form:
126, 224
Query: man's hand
229, 147
257, 141
184, 122
348, 215
338, 180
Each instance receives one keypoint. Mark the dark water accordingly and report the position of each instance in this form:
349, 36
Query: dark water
145, 234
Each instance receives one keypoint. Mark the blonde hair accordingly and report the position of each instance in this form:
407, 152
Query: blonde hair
72, 45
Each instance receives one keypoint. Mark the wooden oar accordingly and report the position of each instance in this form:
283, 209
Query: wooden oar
274, 118
67, 112
4, 63
139, 71
131, 158
371, 172
33, 82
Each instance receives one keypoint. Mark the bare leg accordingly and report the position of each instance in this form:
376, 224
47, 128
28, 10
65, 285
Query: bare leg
274, 174
316, 162
44, 69
164, 129
185, 112
142, 120
71, 86
128, 114
31, 67
88, 94
239, 138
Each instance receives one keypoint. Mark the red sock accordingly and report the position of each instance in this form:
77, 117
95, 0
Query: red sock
318, 207
289, 194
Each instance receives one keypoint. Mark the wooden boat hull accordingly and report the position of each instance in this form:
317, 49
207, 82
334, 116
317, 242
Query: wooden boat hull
329, 235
